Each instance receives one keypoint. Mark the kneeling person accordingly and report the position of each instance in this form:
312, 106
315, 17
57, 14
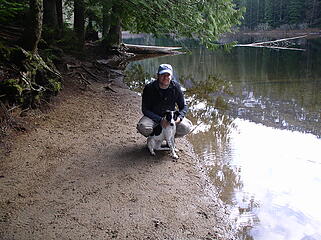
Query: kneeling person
159, 96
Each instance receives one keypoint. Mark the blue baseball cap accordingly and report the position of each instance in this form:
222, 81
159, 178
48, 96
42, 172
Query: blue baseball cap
165, 68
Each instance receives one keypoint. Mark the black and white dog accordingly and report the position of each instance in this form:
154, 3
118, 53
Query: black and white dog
159, 134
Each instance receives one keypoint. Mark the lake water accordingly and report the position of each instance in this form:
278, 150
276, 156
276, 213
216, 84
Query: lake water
260, 141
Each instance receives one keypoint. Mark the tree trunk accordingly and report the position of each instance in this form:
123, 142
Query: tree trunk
50, 13
114, 37
91, 34
79, 21
60, 20
106, 19
34, 26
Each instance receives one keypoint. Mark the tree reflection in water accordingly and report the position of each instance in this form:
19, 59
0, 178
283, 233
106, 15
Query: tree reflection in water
136, 78
208, 104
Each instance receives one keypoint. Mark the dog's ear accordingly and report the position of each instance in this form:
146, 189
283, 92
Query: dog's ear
167, 111
176, 114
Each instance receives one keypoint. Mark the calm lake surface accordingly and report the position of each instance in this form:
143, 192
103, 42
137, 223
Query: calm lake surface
260, 142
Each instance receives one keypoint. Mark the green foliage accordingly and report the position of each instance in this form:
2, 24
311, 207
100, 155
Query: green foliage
49, 34
4, 52
35, 81
95, 14
14, 90
203, 20
54, 85
296, 10
277, 13
67, 42
12, 87
10, 9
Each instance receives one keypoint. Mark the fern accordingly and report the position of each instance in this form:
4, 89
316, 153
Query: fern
9, 9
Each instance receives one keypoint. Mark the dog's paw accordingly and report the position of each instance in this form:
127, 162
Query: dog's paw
174, 155
152, 153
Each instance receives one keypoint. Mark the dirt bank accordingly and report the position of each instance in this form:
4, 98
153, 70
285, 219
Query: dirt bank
82, 171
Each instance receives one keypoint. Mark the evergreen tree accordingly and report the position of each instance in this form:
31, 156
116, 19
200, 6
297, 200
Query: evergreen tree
296, 11
313, 12
270, 12
280, 12
10, 10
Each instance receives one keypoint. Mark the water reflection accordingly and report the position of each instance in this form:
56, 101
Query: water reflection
281, 170
269, 177
136, 77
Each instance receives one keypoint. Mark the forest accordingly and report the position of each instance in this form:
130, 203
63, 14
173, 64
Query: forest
281, 14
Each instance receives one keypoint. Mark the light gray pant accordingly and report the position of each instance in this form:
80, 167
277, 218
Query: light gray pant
145, 127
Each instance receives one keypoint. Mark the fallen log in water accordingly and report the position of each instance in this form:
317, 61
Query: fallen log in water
272, 47
144, 49
267, 44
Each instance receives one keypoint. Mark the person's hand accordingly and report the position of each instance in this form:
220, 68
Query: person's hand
164, 123
178, 120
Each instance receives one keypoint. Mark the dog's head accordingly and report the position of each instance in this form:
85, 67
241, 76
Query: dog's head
171, 116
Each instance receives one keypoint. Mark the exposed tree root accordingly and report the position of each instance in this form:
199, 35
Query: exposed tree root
108, 87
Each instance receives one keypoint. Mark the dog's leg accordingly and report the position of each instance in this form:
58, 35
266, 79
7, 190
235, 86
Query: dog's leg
171, 144
150, 145
163, 147
158, 145
175, 149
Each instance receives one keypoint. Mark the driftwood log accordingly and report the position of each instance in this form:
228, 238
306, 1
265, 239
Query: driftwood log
274, 44
143, 49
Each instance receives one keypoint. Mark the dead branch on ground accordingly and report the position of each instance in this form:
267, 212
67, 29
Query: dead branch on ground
108, 87
96, 77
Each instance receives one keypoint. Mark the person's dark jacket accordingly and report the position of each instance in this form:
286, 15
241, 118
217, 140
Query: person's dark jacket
156, 100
